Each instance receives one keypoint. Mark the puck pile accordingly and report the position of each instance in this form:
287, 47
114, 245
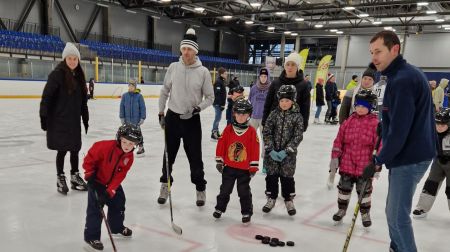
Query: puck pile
273, 242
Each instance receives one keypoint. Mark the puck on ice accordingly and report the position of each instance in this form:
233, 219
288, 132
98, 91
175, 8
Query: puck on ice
281, 243
259, 237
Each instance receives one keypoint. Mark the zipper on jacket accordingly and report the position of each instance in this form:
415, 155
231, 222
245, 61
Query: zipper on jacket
114, 170
282, 129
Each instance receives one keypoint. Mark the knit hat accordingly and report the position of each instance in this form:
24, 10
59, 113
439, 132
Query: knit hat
293, 57
370, 72
70, 49
190, 40
263, 71
132, 82
330, 75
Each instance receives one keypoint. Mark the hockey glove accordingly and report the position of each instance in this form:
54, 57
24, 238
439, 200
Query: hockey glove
102, 197
219, 167
86, 126
369, 171
162, 120
252, 171
196, 110
44, 123
282, 155
274, 155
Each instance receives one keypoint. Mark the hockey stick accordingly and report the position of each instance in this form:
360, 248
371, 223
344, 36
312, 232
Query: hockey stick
106, 222
361, 196
175, 227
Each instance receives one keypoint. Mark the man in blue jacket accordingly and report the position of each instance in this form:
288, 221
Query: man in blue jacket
132, 109
408, 135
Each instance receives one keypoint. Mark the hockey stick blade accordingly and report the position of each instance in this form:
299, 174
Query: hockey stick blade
177, 229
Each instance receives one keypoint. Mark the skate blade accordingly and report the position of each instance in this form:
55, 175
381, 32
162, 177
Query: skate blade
366, 229
140, 155
419, 216
79, 188
338, 223
120, 236
62, 192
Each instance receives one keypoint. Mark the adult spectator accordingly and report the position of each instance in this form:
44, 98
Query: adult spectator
439, 93
91, 88
220, 96
353, 83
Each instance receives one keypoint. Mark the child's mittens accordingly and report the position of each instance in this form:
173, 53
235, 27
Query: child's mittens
334, 164
282, 155
219, 166
274, 155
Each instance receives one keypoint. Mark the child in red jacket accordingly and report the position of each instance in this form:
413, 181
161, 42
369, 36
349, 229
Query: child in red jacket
237, 158
106, 166
352, 151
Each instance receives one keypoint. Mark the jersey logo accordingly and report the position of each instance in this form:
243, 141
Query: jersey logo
237, 152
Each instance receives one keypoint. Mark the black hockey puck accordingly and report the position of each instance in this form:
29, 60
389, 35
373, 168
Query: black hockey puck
259, 237
265, 240
290, 243
273, 244
274, 239
267, 237
281, 243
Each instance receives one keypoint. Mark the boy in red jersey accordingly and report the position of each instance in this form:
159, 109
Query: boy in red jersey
237, 158
106, 166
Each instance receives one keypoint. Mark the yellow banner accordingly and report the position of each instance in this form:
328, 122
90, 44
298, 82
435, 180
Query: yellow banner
303, 55
322, 69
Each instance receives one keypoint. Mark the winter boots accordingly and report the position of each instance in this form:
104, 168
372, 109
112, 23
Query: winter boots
95, 244
337, 217
269, 205
77, 183
290, 207
61, 184
163, 193
201, 198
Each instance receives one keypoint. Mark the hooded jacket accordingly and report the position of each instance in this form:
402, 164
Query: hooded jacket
132, 108
220, 92
257, 98
438, 97
187, 85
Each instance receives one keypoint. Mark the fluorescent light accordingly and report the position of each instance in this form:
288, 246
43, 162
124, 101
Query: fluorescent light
196, 26
299, 19
155, 17
422, 3
348, 8
394, 30
388, 28
339, 32
333, 30
431, 12
446, 25
279, 13
199, 9
211, 29
255, 4
166, 1
177, 22
287, 32
294, 34
363, 15
103, 5
447, 28
270, 28
377, 22
227, 17
130, 11
228, 32
318, 25
439, 20
249, 22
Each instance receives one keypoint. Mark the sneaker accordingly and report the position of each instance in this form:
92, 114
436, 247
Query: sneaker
77, 182
217, 214
126, 232
141, 150
419, 213
246, 218
366, 221
95, 244
201, 198
290, 207
339, 215
269, 205
61, 184
163, 193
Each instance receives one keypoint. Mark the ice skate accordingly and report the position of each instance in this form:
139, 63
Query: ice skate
201, 198
163, 193
269, 205
419, 214
215, 136
77, 183
290, 207
366, 221
217, 214
246, 218
61, 184
95, 244
337, 217
126, 233
141, 151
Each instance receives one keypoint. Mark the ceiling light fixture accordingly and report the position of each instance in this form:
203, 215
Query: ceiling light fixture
166, 1
387, 28
333, 30
439, 20
130, 11
287, 32
270, 28
227, 17
339, 32
318, 25
249, 22
199, 9
422, 3
348, 8
378, 22
363, 15
299, 19
447, 28
294, 34
430, 12
255, 4
279, 13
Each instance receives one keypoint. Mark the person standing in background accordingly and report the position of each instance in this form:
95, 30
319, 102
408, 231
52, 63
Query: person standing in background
331, 91
234, 82
220, 96
91, 88
257, 97
308, 81
319, 100
353, 83
439, 93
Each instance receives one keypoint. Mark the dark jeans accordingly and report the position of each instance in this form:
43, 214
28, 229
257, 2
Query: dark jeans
287, 187
116, 215
191, 132
229, 176
229, 112
218, 110
60, 162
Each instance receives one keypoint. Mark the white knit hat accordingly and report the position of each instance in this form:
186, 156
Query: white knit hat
293, 57
190, 40
70, 49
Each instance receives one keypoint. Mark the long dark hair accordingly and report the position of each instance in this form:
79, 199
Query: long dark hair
72, 80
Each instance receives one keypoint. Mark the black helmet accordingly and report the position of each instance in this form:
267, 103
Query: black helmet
366, 97
129, 132
237, 89
443, 116
242, 106
287, 91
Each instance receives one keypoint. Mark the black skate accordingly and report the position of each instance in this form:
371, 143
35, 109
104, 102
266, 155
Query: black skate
126, 232
215, 136
366, 221
61, 184
95, 244
141, 151
337, 217
217, 214
246, 218
201, 198
77, 183
419, 213
290, 207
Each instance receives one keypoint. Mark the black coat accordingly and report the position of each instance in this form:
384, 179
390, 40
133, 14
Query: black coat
62, 111
303, 96
330, 91
319, 95
220, 92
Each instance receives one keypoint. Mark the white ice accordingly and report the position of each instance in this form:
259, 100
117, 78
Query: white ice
34, 217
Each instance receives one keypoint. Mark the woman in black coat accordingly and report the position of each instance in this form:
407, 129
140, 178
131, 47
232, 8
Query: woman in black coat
64, 102
319, 99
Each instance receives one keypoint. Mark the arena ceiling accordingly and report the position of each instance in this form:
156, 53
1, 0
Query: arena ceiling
271, 18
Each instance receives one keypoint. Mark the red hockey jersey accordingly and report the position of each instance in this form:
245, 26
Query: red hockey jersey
110, 164
238, 151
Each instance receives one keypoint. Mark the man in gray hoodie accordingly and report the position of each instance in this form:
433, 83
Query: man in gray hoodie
188, 87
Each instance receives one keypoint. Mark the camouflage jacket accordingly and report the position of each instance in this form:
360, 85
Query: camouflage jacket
283, 131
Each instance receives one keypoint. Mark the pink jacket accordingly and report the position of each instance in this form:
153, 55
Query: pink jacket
355, 143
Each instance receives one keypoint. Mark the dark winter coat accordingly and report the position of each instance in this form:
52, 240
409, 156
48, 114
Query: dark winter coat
220, 92
319, 95
330, 91
283, 131
61, 111
303, 96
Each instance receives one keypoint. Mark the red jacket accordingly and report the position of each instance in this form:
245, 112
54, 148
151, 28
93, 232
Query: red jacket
240, 152
107, 160
355, 143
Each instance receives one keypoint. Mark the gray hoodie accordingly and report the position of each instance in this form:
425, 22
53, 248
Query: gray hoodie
187, 85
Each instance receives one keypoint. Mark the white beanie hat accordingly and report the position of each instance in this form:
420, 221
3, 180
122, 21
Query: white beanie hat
293, 57
190, 40
70, 49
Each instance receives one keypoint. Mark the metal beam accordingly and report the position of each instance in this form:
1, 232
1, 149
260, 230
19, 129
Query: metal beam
66, 22
24, 15
91, 22
2, 25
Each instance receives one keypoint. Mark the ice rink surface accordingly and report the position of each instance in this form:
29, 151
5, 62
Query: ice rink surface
34, 217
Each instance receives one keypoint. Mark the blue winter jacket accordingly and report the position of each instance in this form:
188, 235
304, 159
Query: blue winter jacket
132, 108
409, 131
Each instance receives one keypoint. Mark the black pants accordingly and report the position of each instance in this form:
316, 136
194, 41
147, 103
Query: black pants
191, 132
229, 176
91, 96
116, 215
287, 187
60, 162
229, 112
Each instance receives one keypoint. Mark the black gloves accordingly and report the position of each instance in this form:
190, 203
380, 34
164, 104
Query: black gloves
44, 123
369, 171
162, 120
99, 191
86, 126
196, 110
219, 167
